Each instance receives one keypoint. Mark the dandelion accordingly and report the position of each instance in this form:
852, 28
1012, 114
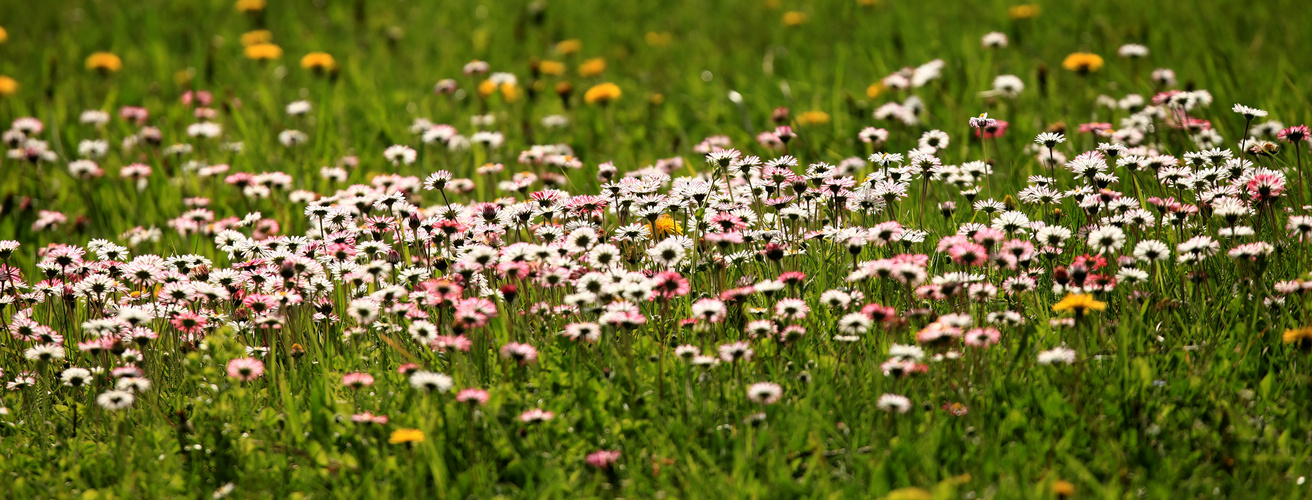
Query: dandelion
262, 52
1079, 304
1299, 337
1082, 63
603, 94
406, 436
8, 86
318, 62
592, 67
104, 62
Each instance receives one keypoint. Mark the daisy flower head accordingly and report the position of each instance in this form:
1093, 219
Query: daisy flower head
1057, 355
245, 369
400, 154
893, 403
1049, 139
115, 400
474, 397
765, 393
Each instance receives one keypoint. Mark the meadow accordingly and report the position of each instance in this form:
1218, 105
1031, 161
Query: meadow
683, 249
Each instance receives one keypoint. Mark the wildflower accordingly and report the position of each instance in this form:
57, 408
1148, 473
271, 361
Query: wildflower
263, 52
1057, 355
592, 67
1247, 112
406, 436
250, 6
893, 403
1299, 337
520, 353
245, 369
1063, 489
115, 400
602, 93
1079, 303
400, 155
1025, 11
256, 37
766, 393
429, 381
318, 61
794, 18
567, 47
813, 118
8, 86
1296, 134
1082, 63
476, 397
75, 377
104, 62
536, 416
602, 459
994, 40
357, 380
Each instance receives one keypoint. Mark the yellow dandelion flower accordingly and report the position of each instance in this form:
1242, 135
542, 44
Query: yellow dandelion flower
510, 92
659, 39
553, 68
263, 52
657, 99
592, 67
567, 47
794, 18
910, 493
256, 37
8, 86
602, 93
1027, 11
319, 61
4, 35
813, 118
486, 88
664, 226
1063, 489
104, 62
250, 5
1079, 303
1082, 63
1300, 337
874, 89
183, 77
406, 436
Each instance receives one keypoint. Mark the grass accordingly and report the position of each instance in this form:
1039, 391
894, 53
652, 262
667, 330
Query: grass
1192, 383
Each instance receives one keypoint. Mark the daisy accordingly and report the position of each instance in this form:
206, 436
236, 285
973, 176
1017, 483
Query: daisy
765, 393
400, 154
428, 381
893, 403
115, 400
245, 369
